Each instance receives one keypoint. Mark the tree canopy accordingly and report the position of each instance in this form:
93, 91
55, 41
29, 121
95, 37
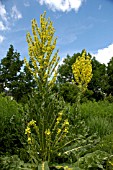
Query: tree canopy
16, 80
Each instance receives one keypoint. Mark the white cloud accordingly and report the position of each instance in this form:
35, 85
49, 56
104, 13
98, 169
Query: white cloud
2, 26
15, 14
3, 12
1, 39
104, 55
62, 5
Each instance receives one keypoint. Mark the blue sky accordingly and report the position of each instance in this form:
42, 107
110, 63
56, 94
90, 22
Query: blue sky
79, 24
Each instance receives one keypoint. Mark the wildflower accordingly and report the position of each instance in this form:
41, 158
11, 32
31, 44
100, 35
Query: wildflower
66, 122
41, 67
60, 113
59, 130
48, 132
66, 130
59, 119
31, 123
82, 70
40, 57
29, 140
28, 130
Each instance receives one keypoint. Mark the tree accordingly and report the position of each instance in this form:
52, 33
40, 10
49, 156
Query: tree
16, 79
10, 68
99, 81
110, 76
26, 85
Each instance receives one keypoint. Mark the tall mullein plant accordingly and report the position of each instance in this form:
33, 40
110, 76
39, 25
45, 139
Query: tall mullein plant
40, 48
47, 134
82, 71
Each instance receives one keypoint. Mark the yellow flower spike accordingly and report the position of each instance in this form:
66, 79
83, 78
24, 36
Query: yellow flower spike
82, 70
40, 49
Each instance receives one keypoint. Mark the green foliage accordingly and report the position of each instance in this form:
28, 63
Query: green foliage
106, 144
109, 98
68, 91
99, 82
14, 163
35, 106
46, 114
11, 125
77, 123
26, 85
98, 117
93, 161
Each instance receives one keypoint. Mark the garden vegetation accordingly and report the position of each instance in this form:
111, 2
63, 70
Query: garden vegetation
55, 117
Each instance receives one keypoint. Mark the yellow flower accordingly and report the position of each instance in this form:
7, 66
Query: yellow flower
59, 130
28, 130
29, 140
32, 122
60, 113
66, 122
48, 132
48, 48
66, 130
41, 67
59, 119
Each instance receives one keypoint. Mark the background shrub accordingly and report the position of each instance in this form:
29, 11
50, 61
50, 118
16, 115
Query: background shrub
11, 125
